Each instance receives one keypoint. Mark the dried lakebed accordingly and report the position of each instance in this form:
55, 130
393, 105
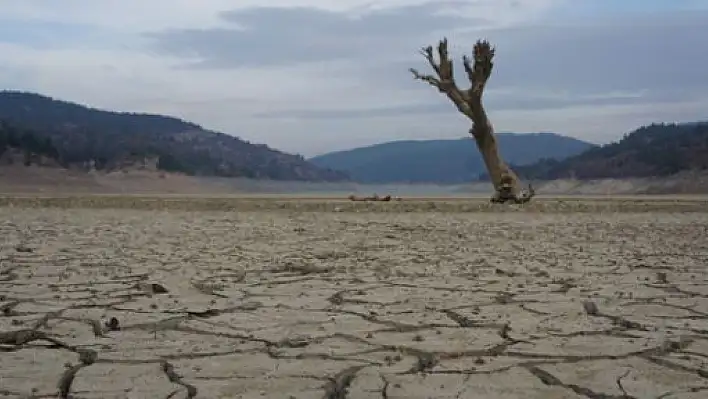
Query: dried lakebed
353, 301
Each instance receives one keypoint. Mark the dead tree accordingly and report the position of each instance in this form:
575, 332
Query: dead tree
469, 103
375, 197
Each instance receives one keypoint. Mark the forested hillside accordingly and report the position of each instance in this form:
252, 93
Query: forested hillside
30, 146
654, 150
108, 140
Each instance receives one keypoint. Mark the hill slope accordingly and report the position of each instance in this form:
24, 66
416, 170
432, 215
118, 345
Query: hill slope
650, 151
443, 161
107, 139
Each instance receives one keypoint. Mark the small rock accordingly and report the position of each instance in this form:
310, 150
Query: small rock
24, 249
501, 272
153, 288
112, 324
662, 278
590, 307
294, 342
504, 333
158, 289
87, 356
629, 324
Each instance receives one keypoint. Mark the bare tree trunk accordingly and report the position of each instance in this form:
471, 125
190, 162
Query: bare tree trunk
496, 167
469, 103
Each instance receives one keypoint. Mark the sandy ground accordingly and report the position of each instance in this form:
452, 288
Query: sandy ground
185, 298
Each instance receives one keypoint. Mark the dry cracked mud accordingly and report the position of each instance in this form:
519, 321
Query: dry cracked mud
353, 301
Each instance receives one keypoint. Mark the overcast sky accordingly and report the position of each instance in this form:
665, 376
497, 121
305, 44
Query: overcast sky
310, 76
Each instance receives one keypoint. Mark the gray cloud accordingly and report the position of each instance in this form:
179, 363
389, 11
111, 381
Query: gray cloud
658, 52
662, 58
649, 59
507, 102
265, 36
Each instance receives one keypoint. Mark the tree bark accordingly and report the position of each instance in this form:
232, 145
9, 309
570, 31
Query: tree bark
495, 165
469, 103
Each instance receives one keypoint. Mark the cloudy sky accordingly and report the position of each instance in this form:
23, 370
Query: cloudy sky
309, 76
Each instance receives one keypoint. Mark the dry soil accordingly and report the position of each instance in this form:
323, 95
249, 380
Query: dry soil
137, 297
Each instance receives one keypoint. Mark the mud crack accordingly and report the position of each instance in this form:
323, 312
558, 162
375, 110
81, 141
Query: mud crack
549, 379
338, 386
174, 378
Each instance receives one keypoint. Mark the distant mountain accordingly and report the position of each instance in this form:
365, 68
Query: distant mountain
650, 151
108, 140
444, 161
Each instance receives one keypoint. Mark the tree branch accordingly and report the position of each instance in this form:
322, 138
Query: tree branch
428, 54
445, 70
430, 79
445, 80
479, 72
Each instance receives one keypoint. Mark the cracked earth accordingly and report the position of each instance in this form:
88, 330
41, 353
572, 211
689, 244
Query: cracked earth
346, 302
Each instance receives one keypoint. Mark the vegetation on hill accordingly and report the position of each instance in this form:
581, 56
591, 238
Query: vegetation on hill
108, 140
30, 145
444, 161
654, 150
